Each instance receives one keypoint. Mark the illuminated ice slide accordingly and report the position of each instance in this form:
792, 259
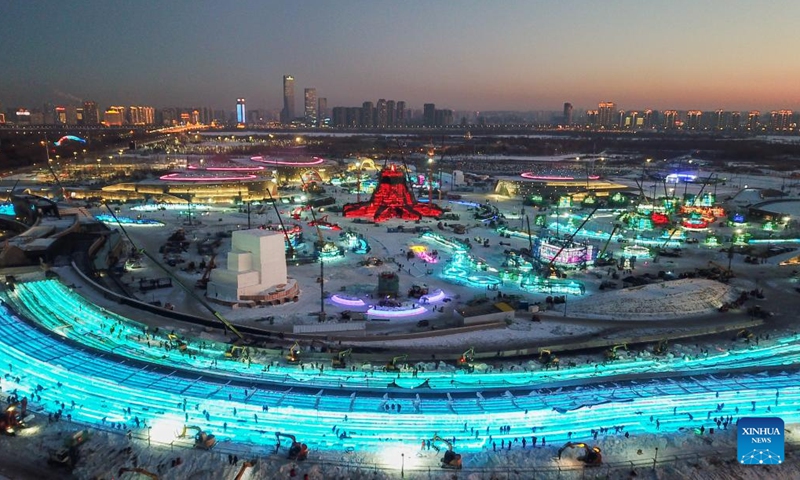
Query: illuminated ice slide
104, 388
72, 316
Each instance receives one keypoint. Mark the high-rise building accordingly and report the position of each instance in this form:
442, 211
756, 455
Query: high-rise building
322, 111
114, 116
693, 119
367, 118
391, 113
401, 114
670, 119
429, 114
381, 113
736, 120
567, 113
91, 114
241, 111
752, 120
339, 117
780, 120
310, 110
287, 114
60, 115
607, 114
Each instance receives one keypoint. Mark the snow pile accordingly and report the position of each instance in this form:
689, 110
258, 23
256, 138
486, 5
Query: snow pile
661, 300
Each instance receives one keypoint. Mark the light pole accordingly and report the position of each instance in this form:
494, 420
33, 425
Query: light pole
358, 183
403, 465
430, 180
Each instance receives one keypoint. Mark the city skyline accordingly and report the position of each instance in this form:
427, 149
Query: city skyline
472, 56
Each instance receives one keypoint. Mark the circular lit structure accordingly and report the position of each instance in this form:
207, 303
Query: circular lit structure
347, 301
255, 168
287, 163
178, 177
555, 178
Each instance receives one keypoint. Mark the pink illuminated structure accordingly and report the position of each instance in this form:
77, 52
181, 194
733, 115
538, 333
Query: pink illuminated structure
533, 176
277, 161
177, 177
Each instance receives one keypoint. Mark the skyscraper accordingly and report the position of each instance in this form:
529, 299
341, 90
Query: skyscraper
567, 113
310, 110
91, 114
322, 111
400, 108
607, 112
287, 114
241, 111
382, 113
429, 114
367, 119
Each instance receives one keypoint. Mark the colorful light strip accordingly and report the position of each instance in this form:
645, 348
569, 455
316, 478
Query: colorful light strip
533, 176
175, 177
261, 159
226, 169
375, 312
347, 301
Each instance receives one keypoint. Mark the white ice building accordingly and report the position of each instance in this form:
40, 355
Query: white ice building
255, 269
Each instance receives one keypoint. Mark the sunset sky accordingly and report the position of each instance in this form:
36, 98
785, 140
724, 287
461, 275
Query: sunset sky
465, 55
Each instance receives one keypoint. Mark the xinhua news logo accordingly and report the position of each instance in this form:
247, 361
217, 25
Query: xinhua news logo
760, 441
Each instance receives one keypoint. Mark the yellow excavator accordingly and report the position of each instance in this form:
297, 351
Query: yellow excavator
140, 471
450, 459
176, 342
236, 351
339, 361
548, 358
297, 451
611, 353
392, 366
202, 439
293, 357
592, 456
466, 358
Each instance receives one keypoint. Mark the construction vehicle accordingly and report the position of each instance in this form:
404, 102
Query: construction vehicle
726, 273
14, 417
611, 353
68, 455
339, 360
548, 358
297, 451
392, 365
236, 351
592, 456
417, 291
744, 334
660, 348
202, 439
466, 358
245, 466
293, 358
140, 471
176, 342
202, 283
603, 260
451, 459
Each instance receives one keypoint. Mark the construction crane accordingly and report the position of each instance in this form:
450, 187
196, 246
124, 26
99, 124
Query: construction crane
297, 451
451, 459
614, 230
392, 365
202, 283
294, 354
592, 456
339, 360
568, 241
188, 290
611, 353
697, 197
320, 244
